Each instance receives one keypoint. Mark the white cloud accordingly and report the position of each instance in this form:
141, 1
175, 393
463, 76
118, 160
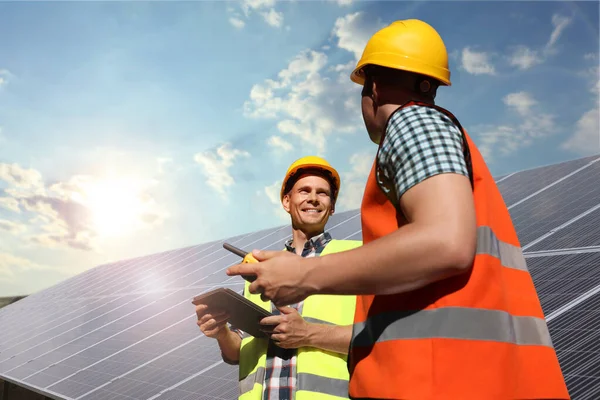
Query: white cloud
506, 139
216, 166
248, 5
591, 56
5, 76
560, 23
344, 2
476, 63
74, 213
11, 266
524, 57
279, 143
264, 8
12, 227
272, 192
237, 22
586, 139
10, 203
308, 105
24, 180
273, 17
312, 99
354, 30
353, 181
521, 101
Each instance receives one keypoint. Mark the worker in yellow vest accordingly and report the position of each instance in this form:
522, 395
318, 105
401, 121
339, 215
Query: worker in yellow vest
305, 357
446, 308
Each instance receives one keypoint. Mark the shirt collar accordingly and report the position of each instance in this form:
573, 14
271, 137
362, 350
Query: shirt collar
314, 242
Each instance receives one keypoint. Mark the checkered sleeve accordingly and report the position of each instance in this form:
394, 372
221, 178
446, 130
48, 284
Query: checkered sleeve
420, 142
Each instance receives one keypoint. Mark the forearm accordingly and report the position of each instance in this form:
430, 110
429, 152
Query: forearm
405, 260
230, 344
333, 338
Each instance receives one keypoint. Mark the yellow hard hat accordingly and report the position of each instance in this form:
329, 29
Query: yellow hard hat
316, 163
409, 45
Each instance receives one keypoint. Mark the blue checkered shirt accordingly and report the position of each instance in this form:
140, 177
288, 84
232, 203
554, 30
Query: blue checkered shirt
419, 142
280, 374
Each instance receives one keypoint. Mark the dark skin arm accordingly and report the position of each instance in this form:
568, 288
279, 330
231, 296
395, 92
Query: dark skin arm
437, 242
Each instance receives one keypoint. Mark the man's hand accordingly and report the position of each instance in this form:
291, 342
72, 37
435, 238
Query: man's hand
280, 276
291, 330
212, 324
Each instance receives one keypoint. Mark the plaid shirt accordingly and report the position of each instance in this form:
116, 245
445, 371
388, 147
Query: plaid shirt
280, 373
419, 142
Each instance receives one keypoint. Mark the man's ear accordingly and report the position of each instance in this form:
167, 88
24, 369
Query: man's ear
374, 93
285, 202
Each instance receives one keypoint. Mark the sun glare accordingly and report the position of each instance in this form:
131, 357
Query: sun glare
115, 206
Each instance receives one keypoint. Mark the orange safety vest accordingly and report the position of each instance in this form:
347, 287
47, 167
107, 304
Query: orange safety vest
480, 335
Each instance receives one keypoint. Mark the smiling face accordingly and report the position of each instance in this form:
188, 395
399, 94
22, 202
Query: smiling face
309, 203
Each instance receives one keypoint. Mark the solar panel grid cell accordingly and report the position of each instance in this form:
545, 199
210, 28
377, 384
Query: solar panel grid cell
110, 317
576, 336
524, 183
40, 325
219, 383
584, 233
560, 279
557, 205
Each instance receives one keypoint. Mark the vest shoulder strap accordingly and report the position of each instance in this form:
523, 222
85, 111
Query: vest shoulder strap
336, 246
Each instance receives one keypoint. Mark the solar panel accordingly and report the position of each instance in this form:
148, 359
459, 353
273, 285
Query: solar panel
576, 336
560, 279
126, 329
584, 233
517, 186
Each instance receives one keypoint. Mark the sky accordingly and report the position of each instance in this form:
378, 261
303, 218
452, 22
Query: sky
130, 128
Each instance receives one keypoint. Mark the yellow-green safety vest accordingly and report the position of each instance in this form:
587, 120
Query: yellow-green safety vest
321, 374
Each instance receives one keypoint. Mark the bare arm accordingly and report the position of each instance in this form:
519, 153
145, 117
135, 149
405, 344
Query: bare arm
214, 325
230, 344
438, 242
330, 337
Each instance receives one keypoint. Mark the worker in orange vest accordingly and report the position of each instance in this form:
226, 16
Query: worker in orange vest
446, 308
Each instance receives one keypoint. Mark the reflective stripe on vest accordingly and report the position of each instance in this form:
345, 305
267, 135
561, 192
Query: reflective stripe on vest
452, 323
510, 256
247, 383
305, 381
321, 375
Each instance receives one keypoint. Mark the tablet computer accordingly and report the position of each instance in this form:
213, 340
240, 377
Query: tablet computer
243, 313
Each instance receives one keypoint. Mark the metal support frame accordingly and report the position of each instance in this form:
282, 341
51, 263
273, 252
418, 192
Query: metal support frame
5, 388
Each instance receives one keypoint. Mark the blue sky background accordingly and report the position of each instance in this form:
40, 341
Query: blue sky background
128, 128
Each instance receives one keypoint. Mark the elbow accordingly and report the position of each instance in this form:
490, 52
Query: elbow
230, 361
459, 255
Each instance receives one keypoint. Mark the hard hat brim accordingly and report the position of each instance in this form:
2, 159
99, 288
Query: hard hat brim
442, 75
